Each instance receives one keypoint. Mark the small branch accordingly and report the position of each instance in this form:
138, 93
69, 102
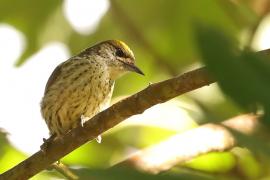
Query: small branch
246, 124
135, 104
180, 148
64, 170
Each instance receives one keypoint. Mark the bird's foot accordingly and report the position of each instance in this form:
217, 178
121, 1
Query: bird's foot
84, 119
46, 143
98, 139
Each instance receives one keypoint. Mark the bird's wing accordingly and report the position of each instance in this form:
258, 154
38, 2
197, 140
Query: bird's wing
56, 72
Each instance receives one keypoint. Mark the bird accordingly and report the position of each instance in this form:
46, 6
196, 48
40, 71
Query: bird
82, 86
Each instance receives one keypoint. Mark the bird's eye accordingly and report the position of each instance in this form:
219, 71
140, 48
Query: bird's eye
119, 53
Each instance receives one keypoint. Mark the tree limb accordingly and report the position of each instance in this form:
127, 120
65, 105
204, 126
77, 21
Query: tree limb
180, 148
135, 104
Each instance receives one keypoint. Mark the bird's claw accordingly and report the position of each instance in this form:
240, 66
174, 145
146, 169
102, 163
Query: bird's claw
84, 119
98, 139
46, 143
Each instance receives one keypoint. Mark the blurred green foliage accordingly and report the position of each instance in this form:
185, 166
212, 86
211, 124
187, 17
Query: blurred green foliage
29, 17
244, 76
9, 155
166, 39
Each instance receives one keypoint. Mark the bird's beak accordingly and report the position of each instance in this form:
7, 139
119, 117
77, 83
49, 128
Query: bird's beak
132, 67
135, 69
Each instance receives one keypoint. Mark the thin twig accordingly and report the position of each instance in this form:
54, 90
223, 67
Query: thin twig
64, 170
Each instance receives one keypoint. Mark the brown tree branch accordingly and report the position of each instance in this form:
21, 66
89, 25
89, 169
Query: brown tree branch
182, 147
135, 104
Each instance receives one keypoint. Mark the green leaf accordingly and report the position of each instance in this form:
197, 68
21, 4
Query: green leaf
9, 156
244, 76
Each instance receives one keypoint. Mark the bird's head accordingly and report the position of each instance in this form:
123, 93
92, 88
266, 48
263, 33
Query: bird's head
118, 56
